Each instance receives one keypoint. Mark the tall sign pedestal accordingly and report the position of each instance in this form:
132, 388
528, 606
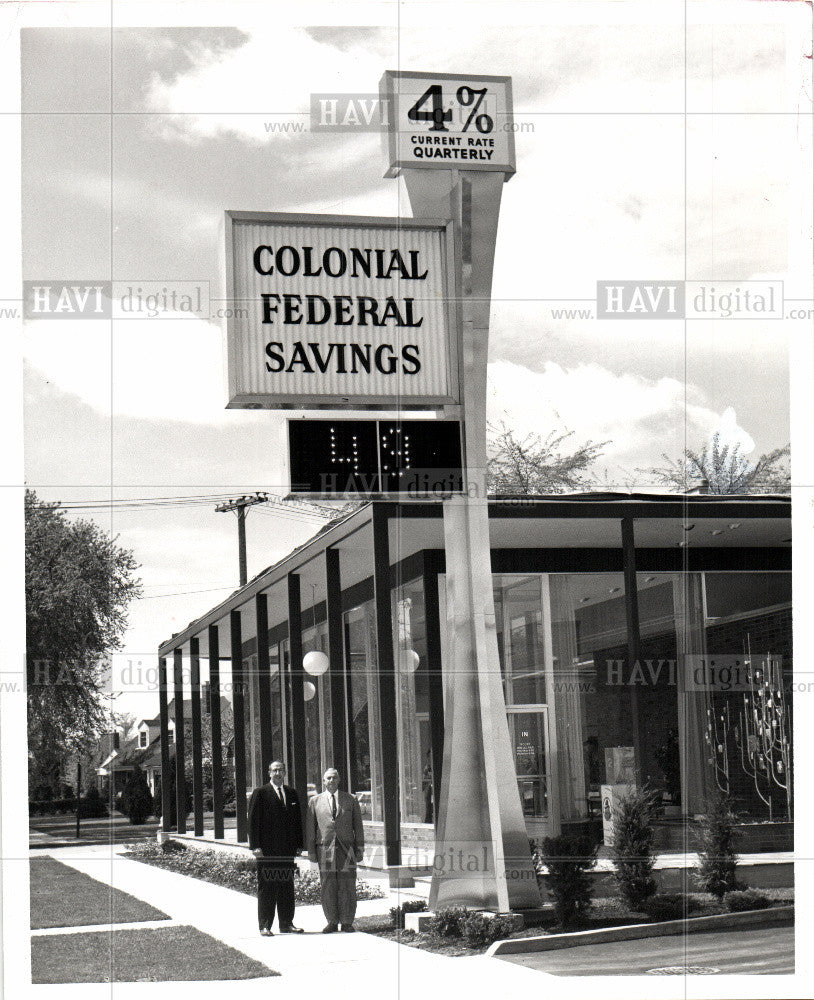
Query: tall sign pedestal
482, 848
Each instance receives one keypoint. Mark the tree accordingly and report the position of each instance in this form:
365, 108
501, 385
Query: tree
726, 469
78, 584
533, 464
137, 802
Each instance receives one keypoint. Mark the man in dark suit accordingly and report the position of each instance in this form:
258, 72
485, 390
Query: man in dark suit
275, 836
336, 841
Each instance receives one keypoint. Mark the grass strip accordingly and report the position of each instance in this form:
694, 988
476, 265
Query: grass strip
63, 897
166, 954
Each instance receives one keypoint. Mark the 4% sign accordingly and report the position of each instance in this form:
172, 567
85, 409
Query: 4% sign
466, 97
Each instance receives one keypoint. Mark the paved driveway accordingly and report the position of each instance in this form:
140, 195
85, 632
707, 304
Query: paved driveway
760, 951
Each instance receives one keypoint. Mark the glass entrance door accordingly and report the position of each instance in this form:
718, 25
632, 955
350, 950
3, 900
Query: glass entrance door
528, 733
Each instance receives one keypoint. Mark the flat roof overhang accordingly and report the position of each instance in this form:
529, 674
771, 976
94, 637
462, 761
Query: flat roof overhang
550, 522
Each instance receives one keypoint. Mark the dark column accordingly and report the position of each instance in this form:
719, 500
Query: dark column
264, 683
297, 759
217, 736
197, 766
180, 774
387, 684
633, 634
163, 716
432, 619
336, 656
239, 727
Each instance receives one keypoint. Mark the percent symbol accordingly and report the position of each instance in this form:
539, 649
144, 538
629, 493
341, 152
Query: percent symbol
466, 97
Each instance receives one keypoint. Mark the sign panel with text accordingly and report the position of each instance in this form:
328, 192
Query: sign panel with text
449, 121
339, 312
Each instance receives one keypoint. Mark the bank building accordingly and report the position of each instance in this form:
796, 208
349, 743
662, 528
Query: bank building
639, 631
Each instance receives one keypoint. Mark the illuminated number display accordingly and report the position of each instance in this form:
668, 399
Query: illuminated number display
413, 458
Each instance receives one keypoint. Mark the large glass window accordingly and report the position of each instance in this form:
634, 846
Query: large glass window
412, 704
317, 694
518, 618
364, 724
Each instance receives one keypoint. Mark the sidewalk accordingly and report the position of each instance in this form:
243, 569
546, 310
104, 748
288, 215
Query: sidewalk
351, 965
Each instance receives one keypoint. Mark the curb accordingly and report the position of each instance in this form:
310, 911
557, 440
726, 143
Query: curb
774, 916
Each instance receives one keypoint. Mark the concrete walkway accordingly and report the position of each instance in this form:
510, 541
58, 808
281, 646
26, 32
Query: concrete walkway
351, 965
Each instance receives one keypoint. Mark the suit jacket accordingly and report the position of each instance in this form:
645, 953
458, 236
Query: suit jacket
272, 827
335, 843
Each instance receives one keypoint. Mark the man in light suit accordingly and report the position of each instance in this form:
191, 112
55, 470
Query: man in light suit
275, 836
336, 840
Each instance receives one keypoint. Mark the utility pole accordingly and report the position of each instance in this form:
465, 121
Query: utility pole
239, 505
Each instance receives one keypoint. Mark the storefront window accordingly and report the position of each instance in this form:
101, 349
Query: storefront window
317, 695
364, 725
518, 616
412, 704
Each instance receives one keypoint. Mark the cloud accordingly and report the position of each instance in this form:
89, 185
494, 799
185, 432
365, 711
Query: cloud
159, 369
642, 419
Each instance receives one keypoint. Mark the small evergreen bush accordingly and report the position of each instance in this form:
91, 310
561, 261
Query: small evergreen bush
408, 906
749, 899
633, 854
92, 806
480, 930
137, 802
669, 906
448, 922
567, 861
717, 858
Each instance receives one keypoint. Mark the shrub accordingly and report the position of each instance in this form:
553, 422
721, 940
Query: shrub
408, 906
717, 859
749, 899
633, 847
480, 930
567, 861
448, 922
669, 906
137, 802
235, 871
92, 806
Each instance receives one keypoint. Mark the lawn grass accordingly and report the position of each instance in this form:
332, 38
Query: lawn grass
64, 897
165, 954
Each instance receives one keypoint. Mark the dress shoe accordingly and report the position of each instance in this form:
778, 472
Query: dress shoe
266, 932
348, 928
291, 929
330, 929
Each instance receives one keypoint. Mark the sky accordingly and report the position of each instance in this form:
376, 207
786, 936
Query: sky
639, 157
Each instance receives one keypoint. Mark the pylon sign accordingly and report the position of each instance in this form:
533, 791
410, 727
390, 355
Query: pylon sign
448, 121
339, 312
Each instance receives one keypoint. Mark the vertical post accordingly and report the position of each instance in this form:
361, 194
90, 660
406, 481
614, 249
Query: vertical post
299, 777
239, 727
435, 681
180, 774
479, 808
336, 658
163, 716
241, 544
264, 682
387, 683
195, 710
78, 791
633, 634
216, 732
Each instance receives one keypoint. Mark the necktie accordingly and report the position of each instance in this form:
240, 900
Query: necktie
333, 806
280, 796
